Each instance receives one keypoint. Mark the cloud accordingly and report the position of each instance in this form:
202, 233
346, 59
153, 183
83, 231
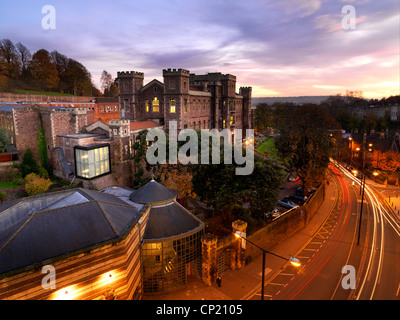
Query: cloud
278, 46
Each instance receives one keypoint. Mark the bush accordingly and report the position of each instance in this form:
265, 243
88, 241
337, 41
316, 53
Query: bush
28, 164
17, 180
43, 173
3, 196
36, 184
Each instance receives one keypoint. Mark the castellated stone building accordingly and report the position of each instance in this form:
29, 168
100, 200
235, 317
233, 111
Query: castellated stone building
193, 101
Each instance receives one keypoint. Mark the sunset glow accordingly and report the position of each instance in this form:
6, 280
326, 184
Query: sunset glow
279, 47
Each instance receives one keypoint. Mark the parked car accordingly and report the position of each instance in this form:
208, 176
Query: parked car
310, 191
298, 199
272, 214
286, 203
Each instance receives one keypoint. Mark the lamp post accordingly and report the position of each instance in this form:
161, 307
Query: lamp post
351, 149
362, 202
294, 261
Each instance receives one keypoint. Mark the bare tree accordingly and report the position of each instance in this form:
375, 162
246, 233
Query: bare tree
8, 55
61, 61
106, 80
24, 56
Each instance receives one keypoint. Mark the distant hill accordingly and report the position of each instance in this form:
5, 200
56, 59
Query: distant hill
299, 100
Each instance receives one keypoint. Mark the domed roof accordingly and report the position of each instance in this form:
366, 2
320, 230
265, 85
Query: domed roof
47, 226
153, 192
170, 220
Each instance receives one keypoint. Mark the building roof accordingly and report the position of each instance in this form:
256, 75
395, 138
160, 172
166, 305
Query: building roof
170, 220
153, 192
9, 107
80, 135
140, 125
154, 81
57, 224
167, 218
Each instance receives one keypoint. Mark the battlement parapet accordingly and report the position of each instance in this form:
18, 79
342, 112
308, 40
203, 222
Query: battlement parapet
176, 72
130, 74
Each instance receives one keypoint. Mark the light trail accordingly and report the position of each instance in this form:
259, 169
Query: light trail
380, 216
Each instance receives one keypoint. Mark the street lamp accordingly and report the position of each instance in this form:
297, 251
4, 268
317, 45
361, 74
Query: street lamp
362, 202
293, 261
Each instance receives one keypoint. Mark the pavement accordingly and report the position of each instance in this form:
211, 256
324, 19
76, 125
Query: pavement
242, 283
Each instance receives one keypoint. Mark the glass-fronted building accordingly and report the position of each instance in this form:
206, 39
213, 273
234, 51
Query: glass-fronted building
171, 239
92, 160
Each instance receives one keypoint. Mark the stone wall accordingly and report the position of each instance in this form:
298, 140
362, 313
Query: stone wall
267, 237
12, 97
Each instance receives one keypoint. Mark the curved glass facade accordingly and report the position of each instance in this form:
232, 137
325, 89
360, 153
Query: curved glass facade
165, 262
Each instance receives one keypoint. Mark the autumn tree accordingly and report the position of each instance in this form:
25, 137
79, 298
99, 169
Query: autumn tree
388, 161
77, 79
44, 71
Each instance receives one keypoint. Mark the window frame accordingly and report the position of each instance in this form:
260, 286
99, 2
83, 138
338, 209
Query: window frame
89, 148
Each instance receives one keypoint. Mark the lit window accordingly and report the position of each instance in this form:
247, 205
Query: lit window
147, 105
156, 104
172, 106
185, 105
92, 161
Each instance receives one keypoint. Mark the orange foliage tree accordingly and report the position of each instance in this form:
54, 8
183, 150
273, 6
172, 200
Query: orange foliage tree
386, 161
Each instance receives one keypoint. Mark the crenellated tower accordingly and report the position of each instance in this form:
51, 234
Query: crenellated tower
129, 84
176, 95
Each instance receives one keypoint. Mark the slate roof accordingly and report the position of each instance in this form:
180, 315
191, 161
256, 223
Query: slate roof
167, 218
170, 220
153, 192
44, 227
9, 107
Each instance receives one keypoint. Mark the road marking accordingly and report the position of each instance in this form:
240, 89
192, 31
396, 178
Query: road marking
266, 271
398, 289
310, 249
315, 242
276, 284
265, 295
286, 274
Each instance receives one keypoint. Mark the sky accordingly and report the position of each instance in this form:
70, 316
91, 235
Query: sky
278, 47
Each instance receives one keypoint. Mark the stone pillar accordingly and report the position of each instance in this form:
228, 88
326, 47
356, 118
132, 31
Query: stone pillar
209, 258
240, 245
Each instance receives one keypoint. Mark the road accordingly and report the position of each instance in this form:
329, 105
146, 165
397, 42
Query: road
334, 265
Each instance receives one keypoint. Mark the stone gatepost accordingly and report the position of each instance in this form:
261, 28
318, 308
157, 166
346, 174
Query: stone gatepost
209, 265
240, 244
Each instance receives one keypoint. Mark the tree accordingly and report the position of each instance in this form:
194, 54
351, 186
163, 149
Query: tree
3, 139
107, 85
139, 155
77, 79
24, 57
28, 164
219, 186
44, 71
106, 80
308, 142
262, 117
9, 60
388, 161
